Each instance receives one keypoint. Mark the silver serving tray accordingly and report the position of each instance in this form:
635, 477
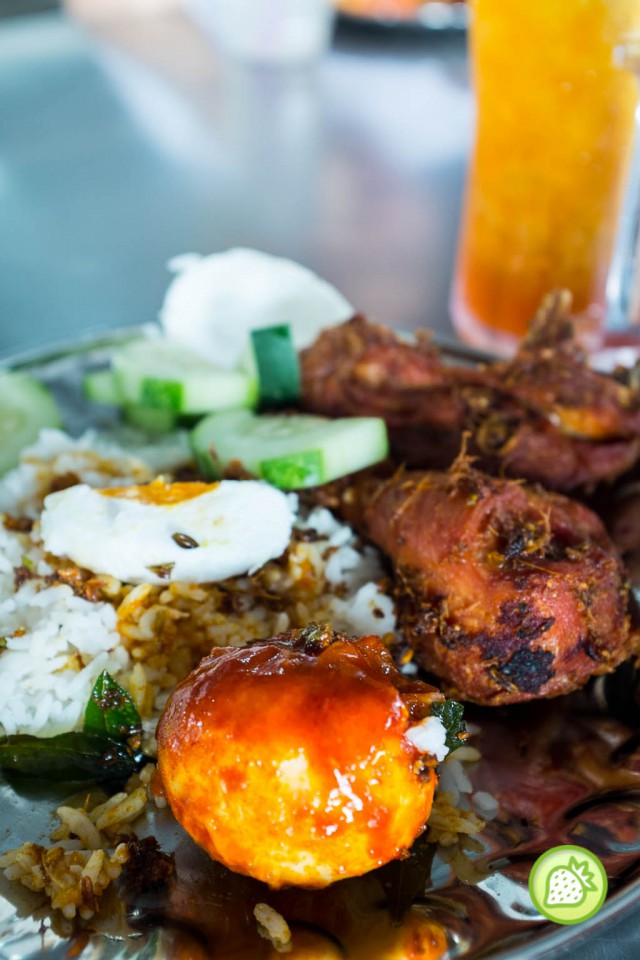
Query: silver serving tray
564, 771
432, 15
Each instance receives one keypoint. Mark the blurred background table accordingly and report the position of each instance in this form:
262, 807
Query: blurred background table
126, 139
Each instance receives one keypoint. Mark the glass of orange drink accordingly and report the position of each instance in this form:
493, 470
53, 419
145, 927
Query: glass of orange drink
555, 129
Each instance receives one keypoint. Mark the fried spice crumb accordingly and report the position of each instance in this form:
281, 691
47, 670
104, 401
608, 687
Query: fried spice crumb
147, 867
18, 524
20, 576
62, 481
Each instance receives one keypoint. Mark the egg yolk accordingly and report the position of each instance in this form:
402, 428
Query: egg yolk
159, 492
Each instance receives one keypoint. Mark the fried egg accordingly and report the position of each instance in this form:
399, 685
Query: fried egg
159, 532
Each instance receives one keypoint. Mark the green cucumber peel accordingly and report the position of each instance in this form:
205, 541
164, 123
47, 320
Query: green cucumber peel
295, 471
277, 365
162, 394
291, 451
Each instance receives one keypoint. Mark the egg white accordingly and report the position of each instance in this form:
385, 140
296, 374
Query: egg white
237, 526
210, 306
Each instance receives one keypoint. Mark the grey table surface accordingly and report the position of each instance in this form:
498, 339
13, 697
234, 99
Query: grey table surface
125, 140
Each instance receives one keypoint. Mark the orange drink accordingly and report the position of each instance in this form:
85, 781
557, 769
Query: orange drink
554, 134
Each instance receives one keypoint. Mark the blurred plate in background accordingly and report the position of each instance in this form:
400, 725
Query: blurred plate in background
427, 14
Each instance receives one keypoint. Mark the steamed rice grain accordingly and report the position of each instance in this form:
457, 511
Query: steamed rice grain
59, 636
60, 627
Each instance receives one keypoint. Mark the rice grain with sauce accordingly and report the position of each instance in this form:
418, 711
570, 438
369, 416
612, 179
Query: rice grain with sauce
61, 626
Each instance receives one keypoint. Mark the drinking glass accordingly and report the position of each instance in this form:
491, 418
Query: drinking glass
549, 176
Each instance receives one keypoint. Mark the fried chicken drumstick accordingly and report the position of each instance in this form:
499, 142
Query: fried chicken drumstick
505, 592
545, 415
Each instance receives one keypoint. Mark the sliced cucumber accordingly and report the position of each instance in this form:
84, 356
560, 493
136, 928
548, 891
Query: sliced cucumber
277, 365
100, 387
290, 452
26, 406
150, 419
169, 376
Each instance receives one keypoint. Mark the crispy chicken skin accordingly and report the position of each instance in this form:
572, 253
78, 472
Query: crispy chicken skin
545, 415
363, 369
289, 761
506, 592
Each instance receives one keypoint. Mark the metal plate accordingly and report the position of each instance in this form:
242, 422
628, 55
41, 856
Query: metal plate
563, 771
432, 15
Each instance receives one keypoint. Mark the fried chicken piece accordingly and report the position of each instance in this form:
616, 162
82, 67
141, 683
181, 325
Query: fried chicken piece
301, 759
363, 369
550, 375
545, 415
506, 592
558, 421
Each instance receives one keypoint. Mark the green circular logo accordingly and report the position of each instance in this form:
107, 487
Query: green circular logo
568, 884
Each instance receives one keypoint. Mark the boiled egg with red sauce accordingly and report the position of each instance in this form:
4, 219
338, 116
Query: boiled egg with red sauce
302, 759
161, 531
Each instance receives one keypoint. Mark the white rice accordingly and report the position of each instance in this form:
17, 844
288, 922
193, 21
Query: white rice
453, 777
429, 736
366, 609
56, 643
47, 672
97, 459
58, 636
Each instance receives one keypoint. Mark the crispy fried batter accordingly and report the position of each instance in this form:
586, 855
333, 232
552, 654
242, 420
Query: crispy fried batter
506, 592
544, 415
147, 867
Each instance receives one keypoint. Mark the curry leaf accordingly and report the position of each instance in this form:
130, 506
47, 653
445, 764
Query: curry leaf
404, 880
69, 757
450, 712
111, 711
